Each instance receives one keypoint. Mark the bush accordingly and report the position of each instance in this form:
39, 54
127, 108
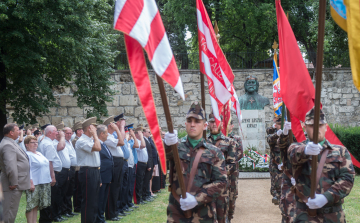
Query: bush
181, 134
350, 137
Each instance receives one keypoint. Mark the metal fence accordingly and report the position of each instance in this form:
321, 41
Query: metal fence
248, 60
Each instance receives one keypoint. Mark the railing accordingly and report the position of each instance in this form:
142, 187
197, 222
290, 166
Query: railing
247, 60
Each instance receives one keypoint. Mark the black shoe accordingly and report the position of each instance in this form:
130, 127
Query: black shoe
143, 202
121, 214
128, 210
115, 219
135, 206
73, 214
58, 220
68, 215
149, 200
64, 219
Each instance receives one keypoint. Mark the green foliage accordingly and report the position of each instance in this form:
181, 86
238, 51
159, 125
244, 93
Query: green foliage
182, 133
350, 138
45, 44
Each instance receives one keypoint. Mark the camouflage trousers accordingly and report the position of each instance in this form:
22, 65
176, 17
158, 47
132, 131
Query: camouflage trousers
276, 176
200, 214
222, 205
287, 202
302, 215
233, 192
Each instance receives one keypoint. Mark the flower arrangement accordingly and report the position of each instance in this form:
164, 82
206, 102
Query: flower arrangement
253, 161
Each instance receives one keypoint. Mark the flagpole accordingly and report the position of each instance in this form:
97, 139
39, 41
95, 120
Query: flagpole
319, 63
174, 148
289, 120
202, 84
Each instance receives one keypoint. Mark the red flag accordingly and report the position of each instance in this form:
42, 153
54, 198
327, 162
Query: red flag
297, 89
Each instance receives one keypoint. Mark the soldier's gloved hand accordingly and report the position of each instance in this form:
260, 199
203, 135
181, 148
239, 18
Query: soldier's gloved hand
279, 132
293, 182
171, 138
280, 165
318, 202
312, 149
188, 203
287, 127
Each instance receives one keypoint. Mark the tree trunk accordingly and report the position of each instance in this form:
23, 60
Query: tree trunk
3, 119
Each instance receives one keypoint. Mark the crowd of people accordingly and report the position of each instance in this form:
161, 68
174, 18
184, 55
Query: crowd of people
102, 171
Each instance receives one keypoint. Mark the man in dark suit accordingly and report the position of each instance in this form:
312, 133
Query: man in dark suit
15, 174
106, 172
149, 167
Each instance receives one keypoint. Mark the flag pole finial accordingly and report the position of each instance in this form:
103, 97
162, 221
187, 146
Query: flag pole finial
275, 45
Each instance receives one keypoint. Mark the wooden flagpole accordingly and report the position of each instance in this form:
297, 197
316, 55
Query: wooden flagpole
174, 148
319, 63
202, 83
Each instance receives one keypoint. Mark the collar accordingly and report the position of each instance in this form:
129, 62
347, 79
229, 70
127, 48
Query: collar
202, 143
8, 138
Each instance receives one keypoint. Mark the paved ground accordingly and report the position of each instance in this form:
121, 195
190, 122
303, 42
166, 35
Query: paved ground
254, 203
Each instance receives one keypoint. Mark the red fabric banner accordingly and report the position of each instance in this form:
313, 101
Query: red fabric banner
142, 82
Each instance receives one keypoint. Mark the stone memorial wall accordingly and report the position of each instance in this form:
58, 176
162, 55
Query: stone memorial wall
340, 98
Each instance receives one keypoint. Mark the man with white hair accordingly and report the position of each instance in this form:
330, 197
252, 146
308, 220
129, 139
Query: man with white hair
48, 149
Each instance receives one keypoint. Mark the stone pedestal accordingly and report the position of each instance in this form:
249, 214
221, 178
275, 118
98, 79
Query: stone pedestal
253, 127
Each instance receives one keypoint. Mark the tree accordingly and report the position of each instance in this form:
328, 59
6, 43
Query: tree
45, 44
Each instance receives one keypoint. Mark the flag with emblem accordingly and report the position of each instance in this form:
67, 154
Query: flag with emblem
277, 100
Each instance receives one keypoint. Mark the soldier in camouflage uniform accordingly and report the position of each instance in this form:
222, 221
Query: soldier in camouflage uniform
287, 199
275, 160
229, 148
210, 179
240, 153
336, 179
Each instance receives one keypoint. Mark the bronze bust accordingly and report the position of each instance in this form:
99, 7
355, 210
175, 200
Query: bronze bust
251, 100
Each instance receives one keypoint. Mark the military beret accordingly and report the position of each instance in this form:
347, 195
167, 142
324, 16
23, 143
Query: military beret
21, 127
109, 120
119, 117
89, 121
44, 126
127, 127
77, 125
36, 132
212, 117
196, 111
60, 126
309, 117
139, 127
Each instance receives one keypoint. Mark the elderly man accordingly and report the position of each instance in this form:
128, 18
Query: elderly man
77, 188
15, 174
87, 152
47, 148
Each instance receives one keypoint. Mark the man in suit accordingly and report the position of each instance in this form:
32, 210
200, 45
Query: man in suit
106, 172
149, 167
15, 174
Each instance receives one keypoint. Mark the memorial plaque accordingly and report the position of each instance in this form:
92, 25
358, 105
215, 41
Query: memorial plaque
253, 127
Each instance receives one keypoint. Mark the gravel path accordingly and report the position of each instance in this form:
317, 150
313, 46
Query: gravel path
254, 203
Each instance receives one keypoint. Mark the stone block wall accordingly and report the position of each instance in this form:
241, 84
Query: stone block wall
340, 98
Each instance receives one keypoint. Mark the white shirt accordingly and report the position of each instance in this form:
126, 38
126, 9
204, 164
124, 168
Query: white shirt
63, 155
72, 152
84, 155
22, 144
48, 149
131, 157
111, 143
39, 168
142, 154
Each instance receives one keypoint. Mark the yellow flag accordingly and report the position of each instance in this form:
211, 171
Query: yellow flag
346, 14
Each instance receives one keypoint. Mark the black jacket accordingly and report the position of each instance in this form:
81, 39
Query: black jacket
107, 164
154, 152
150, 162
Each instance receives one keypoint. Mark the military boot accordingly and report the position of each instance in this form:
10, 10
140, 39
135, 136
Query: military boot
275, 200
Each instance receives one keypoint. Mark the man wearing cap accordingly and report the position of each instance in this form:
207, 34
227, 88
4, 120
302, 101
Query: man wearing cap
43, 132
87, 150
334, 183
203, 168
275, 159
77, 187
106, 172
113, 145
67, 207
229, 148
146, 195
62, 177
48, 149
141, 165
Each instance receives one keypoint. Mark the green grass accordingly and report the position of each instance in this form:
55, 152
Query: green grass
352, 203
151, 212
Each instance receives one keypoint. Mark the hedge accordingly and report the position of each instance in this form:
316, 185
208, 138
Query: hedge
350, 138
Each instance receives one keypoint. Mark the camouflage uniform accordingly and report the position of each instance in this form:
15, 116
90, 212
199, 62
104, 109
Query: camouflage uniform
275, 173
229, 148
235, 175
287, 199
335, 183
209, 182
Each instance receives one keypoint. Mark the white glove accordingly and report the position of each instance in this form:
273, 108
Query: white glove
171, 138
287, 127
188, 203
279, 166
274, 125
318, 202
279, 132
293, 181
312, 149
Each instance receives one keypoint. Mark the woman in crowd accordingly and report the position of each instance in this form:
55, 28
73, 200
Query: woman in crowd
39, 195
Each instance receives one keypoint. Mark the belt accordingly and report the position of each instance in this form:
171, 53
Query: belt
68, 169
118, 157
89, 167
323, 210
141, 162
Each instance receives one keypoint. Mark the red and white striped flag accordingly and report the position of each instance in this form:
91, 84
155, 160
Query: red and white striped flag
213, 63
141, 23
235, 105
